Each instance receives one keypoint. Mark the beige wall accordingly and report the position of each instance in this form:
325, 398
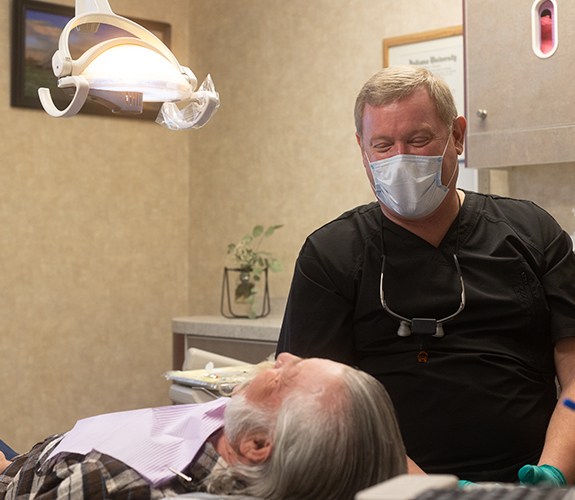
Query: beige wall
112, 227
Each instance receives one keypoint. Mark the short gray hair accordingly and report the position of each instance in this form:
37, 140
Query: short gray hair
327, 448
396, 82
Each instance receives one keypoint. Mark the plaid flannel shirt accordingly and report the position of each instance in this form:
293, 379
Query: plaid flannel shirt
94, 476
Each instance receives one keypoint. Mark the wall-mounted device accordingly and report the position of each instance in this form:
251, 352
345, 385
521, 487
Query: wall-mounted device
545, 35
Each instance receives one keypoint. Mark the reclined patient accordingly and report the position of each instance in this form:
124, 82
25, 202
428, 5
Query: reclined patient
300, 429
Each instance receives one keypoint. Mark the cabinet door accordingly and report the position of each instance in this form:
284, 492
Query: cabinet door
520, 107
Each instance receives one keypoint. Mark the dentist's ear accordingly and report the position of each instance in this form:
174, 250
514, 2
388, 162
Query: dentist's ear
459, 126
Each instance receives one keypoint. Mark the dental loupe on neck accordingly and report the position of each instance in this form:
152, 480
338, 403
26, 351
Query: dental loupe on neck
125, 72
421, 326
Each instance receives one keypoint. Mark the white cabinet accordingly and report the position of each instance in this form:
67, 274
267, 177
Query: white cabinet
520, 100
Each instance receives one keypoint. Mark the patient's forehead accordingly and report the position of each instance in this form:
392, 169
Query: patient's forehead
291, 375
321, 367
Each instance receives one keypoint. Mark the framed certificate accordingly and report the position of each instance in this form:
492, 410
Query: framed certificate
440, 51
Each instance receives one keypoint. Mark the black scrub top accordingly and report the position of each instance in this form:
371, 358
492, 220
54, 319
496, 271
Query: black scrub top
480, 404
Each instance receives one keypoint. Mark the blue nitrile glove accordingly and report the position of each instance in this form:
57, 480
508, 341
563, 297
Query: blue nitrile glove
545, 475
463, 483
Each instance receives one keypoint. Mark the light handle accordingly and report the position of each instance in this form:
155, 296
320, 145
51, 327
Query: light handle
80, 95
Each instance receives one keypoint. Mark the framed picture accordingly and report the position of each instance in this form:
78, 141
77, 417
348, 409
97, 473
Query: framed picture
440, 51
36, 28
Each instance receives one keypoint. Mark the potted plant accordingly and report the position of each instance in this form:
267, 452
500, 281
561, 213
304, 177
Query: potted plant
249, 266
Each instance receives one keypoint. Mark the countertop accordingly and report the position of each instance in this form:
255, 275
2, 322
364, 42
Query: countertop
262, 329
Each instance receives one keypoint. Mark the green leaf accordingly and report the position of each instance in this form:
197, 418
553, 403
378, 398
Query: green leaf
275, 265
270, 230
247, 254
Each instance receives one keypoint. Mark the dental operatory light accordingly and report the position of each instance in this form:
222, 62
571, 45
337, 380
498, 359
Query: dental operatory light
125, 72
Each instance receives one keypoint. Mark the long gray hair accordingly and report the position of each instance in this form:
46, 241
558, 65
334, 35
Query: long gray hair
396, 82
323, 449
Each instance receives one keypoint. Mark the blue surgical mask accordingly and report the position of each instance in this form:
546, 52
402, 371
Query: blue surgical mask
410, 185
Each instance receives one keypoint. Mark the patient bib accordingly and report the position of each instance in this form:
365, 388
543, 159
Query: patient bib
150, 440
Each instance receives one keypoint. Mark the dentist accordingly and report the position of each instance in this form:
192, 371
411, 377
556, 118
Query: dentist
462, 304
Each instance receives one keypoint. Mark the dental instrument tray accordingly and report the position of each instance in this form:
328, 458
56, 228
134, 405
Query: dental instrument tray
215, 379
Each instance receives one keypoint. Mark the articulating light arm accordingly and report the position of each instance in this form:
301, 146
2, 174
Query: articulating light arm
86, 6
